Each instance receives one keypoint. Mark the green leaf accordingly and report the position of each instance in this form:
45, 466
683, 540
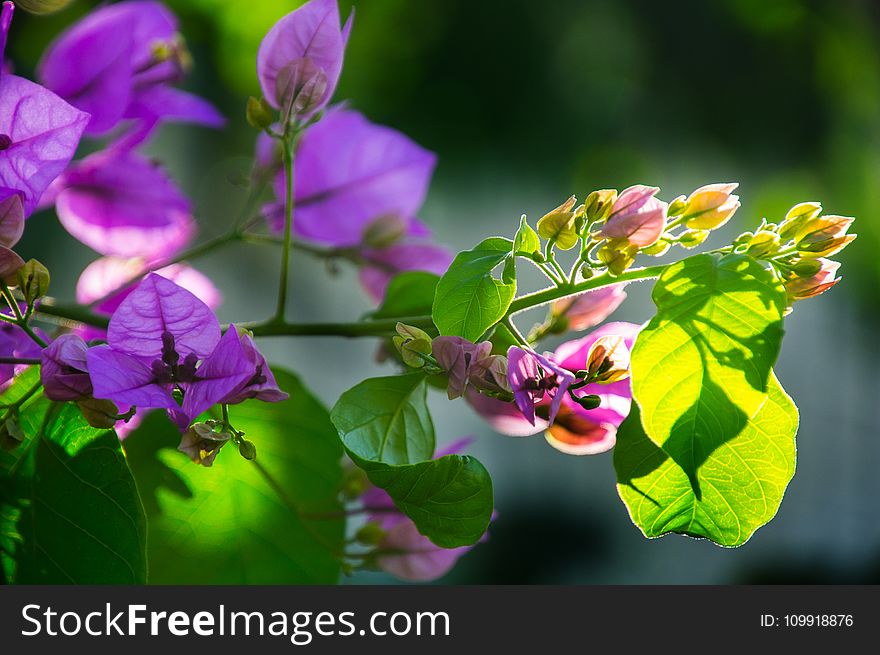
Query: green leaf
386, 429
228, 524
526, 240
386, 420
469, 300
410, 293
724, 489
700, 367
69, 508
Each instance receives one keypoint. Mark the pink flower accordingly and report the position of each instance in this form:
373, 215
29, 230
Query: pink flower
637, 216
590, 308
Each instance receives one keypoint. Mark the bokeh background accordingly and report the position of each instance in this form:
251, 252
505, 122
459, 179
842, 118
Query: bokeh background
525, 103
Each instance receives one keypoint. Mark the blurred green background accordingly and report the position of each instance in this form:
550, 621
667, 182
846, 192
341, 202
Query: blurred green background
525, 103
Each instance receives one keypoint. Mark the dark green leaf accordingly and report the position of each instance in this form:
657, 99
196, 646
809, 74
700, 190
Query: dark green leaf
387, 431
724, 489
228, 524
469, 299
70, 510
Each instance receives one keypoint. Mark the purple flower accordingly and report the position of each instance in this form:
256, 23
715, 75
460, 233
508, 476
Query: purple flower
39, 132
637, 216
407, 554
109, 274
382, 264
350, 172
63, 369
14, 342
302, 56
532, 377
468, 363
120, 203
11, 229
163, 341
118, 62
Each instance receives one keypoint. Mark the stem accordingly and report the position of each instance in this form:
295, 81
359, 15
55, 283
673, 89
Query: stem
375, 328
24, 361
506, 322
288, 226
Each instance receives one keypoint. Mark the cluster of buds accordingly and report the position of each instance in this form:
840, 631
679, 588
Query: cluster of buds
799, 248
613, 227
202, 441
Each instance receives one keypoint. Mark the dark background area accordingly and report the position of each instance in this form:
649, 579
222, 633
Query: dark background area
525, 103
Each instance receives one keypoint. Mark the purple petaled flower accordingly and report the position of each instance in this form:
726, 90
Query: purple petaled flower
637, 216
14, 342
109, 275
410, 555
532, 377
350, 172
118, 63
39, 132
590, 308
163, 341
382, 264
121, 203
63, 370
300, 59
11, 229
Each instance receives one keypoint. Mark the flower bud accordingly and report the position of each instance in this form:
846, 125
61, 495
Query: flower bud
807, 267
608, 360
463, 362
763, 244
618, 255
247, 449
10, 264
711, 206
11, 220
300, 87
591, 308
823, 236
801, 288
677, 207
99, 413
33, 281
370, 534
259, 114
384, 231
63, 370
796, 217
636, 217
558, 225
588, 402
825, 247
658, 249
412, 343
598, 204
693, 238
202, 444
355, 483
526, 239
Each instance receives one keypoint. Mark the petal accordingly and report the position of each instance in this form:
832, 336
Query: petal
572, 355
223, 372
421, 560
166, 103
5, 21
96, 63
311, 32
11, 219
350, 172
125, 379
10, 262
45, 132
158, 305
122, 204
504, 417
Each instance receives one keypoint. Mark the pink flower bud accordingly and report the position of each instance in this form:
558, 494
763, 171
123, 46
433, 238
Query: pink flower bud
801, 288
590, 308
637, 216
711, 206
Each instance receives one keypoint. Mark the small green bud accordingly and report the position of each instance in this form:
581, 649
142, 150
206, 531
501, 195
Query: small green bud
764, 243
247, 449
33, 281
806, 267
693, 238
526, 239
657, 249
618, 255
412, 343
796, 217
677, 207
558, 225
355, 483
598, 204
589, 402
370, 534
259, 114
